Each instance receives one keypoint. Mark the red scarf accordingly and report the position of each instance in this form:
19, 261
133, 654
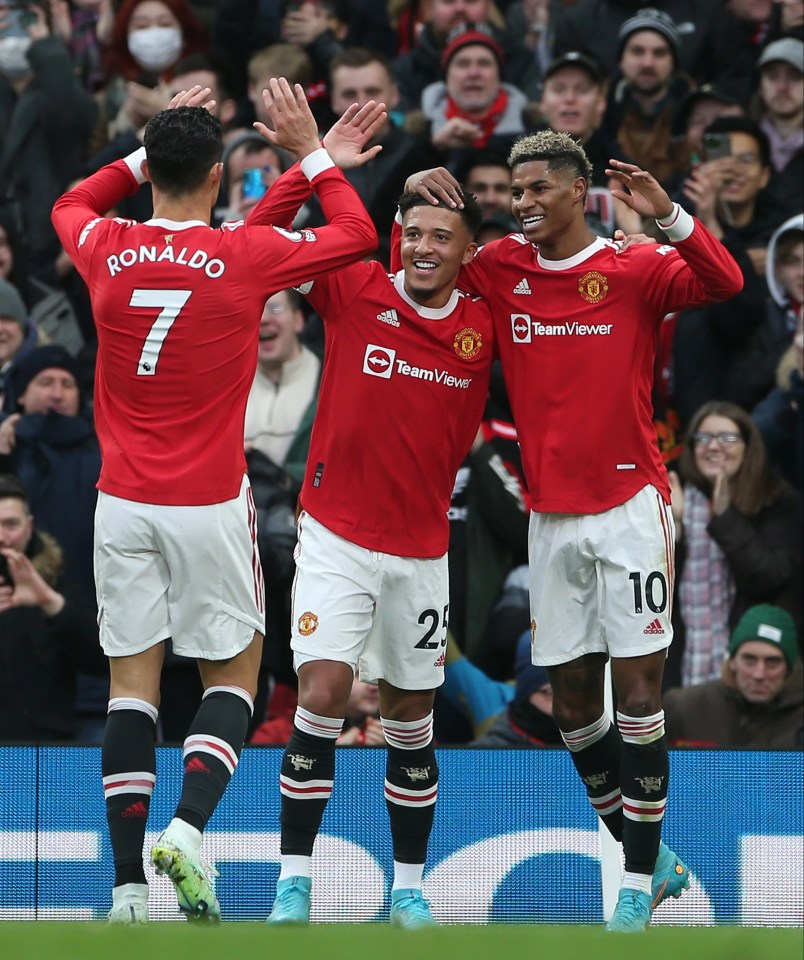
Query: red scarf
488, 122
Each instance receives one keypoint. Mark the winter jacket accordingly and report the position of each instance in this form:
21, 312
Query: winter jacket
715, 714
39, 656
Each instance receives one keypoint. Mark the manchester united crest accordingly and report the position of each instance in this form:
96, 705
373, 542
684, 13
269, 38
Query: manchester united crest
467, 343
593, 286
308, 623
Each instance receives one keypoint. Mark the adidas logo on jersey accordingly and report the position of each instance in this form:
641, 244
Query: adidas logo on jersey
523, 286
389, 316
654, 628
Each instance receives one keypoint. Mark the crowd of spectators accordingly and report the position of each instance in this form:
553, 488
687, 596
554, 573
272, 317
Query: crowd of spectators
706, 95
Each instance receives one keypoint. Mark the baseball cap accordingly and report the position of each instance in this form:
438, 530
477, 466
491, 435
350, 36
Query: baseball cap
789, 50
467, 34
39, 359
771, 625
12, 306
707, 91
575, 58
529, 678
649, 18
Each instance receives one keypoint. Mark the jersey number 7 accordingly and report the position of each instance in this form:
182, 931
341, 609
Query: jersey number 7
171, 302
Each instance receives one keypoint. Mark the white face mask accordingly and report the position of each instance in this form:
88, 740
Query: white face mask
13, 57
155, 48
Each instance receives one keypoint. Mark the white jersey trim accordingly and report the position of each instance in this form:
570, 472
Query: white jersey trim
175, 224
598, 244
429, 313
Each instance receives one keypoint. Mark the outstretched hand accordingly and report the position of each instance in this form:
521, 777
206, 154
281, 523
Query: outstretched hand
345, 140
639, 190
196, 96
294, 127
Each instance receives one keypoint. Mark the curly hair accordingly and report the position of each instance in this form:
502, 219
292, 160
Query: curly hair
182, 145
559, 150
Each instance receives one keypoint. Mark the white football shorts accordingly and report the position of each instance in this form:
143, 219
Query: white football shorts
602, 582
190, 573
384, 615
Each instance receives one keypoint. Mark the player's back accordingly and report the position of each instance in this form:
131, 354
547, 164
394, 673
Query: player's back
177, 308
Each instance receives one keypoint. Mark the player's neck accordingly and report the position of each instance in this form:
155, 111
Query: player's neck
567, 243
181, 209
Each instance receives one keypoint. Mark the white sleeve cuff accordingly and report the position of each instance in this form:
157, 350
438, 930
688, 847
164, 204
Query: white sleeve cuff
316, 162
134, 163
678, 226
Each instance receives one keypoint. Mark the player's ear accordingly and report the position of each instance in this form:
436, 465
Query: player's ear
579, 188
145, 170
469, 252
216, 173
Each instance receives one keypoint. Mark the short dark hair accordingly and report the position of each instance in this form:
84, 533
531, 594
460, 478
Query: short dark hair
182, 145
744, 125
480, 158
471, 214
12, 489
559, 150
359, 57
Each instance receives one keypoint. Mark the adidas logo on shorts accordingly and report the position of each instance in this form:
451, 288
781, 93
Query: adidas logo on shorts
522, 286
653, 628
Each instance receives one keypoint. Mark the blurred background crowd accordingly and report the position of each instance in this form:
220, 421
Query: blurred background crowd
707, 95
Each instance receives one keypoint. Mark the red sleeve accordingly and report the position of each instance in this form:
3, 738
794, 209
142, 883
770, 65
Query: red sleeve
712, 275
291, 258
90, 200
283, 199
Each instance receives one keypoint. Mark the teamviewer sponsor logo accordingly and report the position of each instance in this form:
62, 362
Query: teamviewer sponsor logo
521, 327
379, 361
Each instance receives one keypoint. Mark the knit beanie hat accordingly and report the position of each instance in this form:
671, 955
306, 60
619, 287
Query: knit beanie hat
42, 358
771, 625
649, 18
11, 304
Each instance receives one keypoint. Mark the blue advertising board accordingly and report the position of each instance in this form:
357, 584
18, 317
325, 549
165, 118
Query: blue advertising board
514, 841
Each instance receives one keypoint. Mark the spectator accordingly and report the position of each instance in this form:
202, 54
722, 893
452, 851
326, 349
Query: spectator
740, 540
698, 109
46, 118
421, 66
471, 107
279, 60
319, 27
17, 338
706, 46
148, 39
279, 420
527, 721
573, 101
241, 190
49, 631
487, 175
754, 20
757, 703
535, 21
642, 105
781, 95
779, 417
730, 198
49, 443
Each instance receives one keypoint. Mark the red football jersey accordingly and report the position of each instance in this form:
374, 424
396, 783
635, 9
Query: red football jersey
577, 339
177, 309
402, 395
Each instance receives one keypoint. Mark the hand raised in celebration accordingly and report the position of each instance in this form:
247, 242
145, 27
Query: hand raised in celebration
345, 140
294, 127
639, 190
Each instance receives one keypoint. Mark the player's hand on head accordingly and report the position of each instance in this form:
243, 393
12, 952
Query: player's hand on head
639, 190
196, 96
294, 127
345, 140
436, 184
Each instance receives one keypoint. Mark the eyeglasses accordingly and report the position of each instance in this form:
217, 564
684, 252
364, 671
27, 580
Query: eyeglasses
704, 439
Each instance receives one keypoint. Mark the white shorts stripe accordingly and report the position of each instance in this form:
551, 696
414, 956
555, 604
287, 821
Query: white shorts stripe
214, 746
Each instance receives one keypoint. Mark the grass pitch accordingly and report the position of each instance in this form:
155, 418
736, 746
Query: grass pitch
181, 941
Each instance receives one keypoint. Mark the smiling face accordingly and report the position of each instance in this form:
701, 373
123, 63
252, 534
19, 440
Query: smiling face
714, 456
435, 244
572, 102
748, 175
759, 670
545, 202
473, 78
280, 326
